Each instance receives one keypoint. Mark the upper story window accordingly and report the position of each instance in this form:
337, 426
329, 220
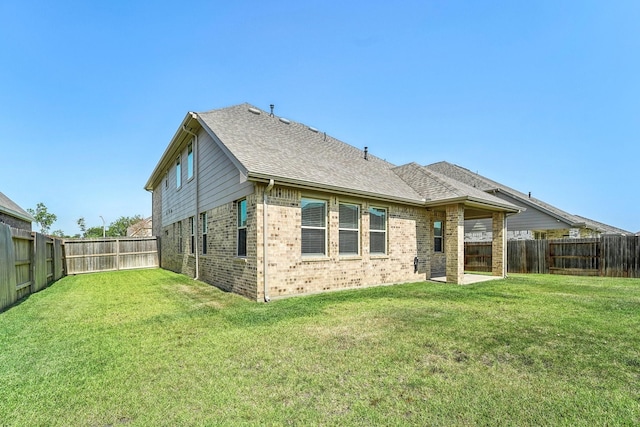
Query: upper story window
377, 230
178, 173
314, 227
190, 161
349, 229
242, 227
437, 236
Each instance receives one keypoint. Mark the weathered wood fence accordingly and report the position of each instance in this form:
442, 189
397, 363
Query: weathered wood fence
29, 261
118, 253
607, 256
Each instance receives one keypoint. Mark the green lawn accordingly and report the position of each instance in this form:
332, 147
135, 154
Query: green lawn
150, 347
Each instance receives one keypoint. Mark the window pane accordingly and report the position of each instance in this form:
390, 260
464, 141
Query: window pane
437, 228
437, 244
377, 242
348, 242
190, 161
178, 174
313, 213
348, 216
242, 242
242, 213
377, 219
313, 241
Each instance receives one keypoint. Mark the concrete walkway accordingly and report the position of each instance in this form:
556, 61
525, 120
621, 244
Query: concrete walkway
468, 279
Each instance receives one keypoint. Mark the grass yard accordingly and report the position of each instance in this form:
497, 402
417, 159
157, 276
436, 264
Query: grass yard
150, 347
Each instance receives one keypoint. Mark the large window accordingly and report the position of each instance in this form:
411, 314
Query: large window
203, 218
437, 236
178, 173
349, 229
180, 247
314, 227
190, 161
192, 228
377, 230
242, 227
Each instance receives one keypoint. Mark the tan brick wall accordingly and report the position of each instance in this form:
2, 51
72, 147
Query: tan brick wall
454, 243
499, 245
290, 273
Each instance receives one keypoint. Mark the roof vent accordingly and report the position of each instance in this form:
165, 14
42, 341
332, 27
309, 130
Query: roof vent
366, 153
313, 129
271, 106
285, 121
254, 110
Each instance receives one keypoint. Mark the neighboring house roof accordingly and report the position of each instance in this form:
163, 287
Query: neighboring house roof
436, 188
604, 228
141, 228
266, 147
485, 184
10, 208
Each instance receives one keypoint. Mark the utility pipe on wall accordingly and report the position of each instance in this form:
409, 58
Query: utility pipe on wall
197, 184
265, 240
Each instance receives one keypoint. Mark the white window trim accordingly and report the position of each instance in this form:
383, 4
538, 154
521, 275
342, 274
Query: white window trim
358, 250
238, 228
178, 172
190, 159
325, 228
385, 231
441, 237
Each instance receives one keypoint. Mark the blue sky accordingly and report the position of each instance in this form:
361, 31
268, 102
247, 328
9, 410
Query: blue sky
543, 96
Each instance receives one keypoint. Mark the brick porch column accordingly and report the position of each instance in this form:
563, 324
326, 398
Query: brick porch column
499, 245
454, 243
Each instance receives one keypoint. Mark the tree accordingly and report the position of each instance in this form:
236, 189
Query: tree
82, 225
118, 228
93, 232
43, 217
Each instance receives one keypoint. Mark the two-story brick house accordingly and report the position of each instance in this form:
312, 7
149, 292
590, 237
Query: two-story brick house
264, 206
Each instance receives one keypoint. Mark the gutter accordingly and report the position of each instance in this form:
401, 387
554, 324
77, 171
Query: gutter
259, 177
265, 241
196, 216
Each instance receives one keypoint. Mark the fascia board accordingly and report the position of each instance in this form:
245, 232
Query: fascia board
260, 177
169, 154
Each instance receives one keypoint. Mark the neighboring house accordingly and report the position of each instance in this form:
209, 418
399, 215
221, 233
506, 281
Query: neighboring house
537, 219
263, 206
13, 215
142, 228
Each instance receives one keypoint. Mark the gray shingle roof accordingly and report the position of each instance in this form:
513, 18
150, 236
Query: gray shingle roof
435, 187
286, 150
483, 183
9, 207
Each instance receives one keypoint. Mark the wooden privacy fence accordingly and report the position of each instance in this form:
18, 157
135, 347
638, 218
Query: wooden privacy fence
607, 256
119, 253
29, 261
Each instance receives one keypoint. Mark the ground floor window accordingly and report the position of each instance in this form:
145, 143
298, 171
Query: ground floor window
377, 230
437, 236
203, 218
314, 227
349, 229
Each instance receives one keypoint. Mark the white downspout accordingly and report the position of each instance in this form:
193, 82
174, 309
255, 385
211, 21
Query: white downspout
197, 184
265, 241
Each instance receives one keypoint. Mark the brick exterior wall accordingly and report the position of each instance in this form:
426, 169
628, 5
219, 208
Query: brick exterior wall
291, 273
409, 234
454, 243
498, 247
15, 222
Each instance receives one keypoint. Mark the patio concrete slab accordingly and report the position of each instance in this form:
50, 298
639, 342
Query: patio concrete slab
468, 279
